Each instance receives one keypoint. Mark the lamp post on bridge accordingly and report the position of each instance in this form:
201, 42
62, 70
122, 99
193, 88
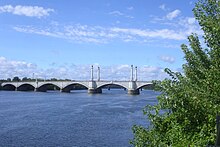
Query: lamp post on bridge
33, 76
98, 74
92, 73
135, 73
132, 74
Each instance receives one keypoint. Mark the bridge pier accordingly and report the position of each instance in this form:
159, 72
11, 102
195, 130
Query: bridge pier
132, 87
65, 90
95, 91
36, 89
93, 86
134, 92
40, 90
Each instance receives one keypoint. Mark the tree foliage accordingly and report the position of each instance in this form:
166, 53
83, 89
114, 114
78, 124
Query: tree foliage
16, 79
188, 104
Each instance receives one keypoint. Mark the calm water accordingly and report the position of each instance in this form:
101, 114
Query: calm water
71, 119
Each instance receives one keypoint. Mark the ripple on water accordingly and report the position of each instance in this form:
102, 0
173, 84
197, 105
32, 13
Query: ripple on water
74, 119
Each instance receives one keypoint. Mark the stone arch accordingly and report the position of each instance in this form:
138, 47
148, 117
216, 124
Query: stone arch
9, 87
109, 84
26, 87
73, 86
48, 86
145, 85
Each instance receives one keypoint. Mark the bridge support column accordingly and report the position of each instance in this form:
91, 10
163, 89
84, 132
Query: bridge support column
134, 92
36, 89
65, 90
95, 91
93, 88
40, 90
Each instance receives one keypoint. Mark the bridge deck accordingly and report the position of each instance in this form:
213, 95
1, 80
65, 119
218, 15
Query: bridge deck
65, 86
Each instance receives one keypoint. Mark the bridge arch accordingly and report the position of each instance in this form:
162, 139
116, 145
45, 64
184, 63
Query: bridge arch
48, 86
26, 87
111, 84
9, 87
74, 86
145, 85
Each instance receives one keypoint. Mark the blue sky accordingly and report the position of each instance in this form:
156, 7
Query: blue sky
63, 39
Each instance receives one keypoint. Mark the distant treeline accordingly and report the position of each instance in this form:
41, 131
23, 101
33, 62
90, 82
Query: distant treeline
26, 79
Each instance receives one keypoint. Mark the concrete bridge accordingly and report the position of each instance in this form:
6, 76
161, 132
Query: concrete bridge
94, 86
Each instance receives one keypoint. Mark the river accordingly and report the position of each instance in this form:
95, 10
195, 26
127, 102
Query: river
75, 119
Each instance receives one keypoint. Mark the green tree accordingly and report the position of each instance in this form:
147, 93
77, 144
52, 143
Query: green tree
24, 79
54, 79
8, 80
16, 79
188, 104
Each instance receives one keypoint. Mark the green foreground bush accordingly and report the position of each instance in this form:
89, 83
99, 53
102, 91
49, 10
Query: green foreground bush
187, 107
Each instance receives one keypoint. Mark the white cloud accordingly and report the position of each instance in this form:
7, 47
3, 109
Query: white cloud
118, 13
183, 26
191, 25
191, 20
97, 34
151, 72
163, 7
75, 33
173, 14
117, 22
30, 11
160, 33
177, 29
11, 68
130, 8
167, 59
